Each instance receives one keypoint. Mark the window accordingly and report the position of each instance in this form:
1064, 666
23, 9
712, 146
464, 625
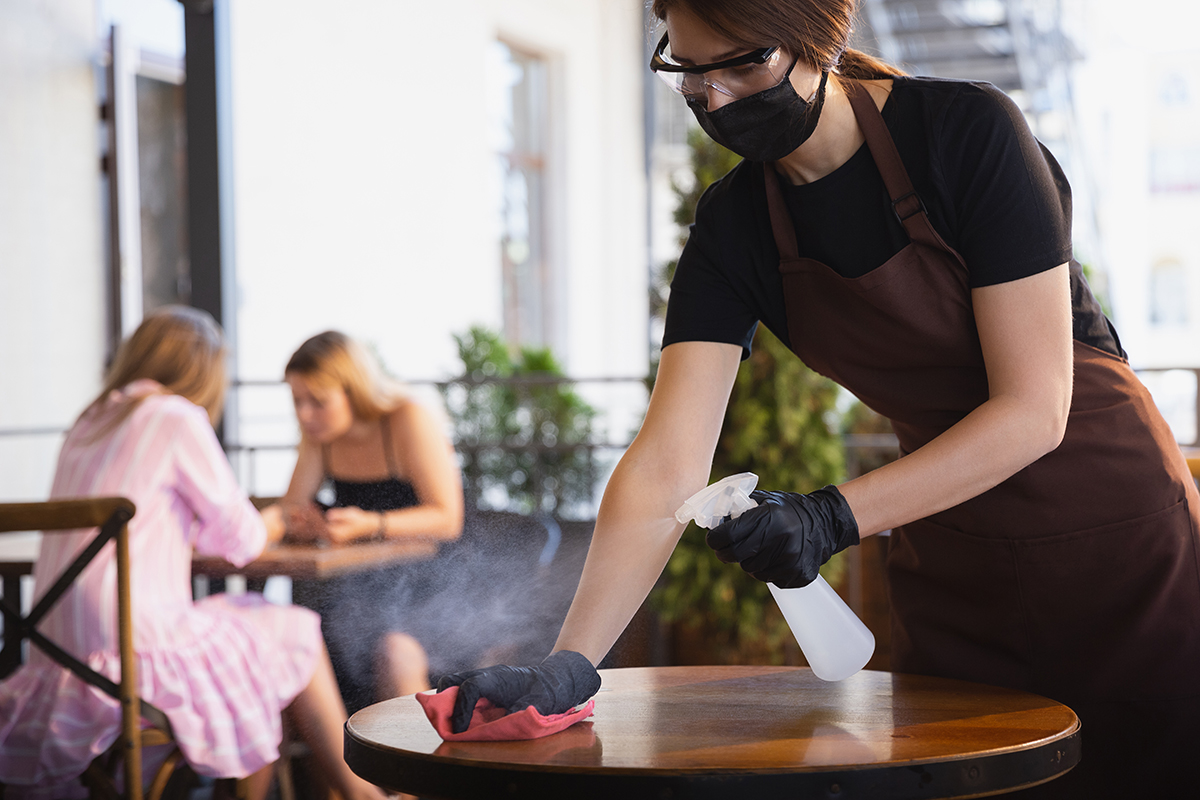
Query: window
1168, 293
162, 185
520, 138
145, 166
1175, 168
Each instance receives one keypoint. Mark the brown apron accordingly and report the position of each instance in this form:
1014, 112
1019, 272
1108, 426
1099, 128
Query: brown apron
1078, 578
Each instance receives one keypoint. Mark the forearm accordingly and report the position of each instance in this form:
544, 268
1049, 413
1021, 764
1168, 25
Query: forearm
272, 517
989, 445
667, 463
1025, 336
635, 534
438, 522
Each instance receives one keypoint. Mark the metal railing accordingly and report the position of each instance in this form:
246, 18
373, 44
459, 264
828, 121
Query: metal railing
1195, 371
536, 454
858, 446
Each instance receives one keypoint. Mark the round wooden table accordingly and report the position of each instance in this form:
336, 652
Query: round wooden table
739, 732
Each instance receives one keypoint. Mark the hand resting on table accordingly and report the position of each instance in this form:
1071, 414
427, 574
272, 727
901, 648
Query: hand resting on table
305, 524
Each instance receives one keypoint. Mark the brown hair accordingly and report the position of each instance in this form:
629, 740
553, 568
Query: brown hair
817, 31
181, 348
334, 359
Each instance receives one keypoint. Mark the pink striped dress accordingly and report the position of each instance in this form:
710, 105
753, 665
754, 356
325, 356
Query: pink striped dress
221, 668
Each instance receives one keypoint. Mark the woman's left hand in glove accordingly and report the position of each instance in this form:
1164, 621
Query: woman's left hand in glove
786, 538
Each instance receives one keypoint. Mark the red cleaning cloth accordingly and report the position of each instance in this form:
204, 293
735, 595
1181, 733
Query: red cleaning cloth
492, 724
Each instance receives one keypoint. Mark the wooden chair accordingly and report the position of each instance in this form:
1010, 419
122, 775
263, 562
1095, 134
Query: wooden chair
111, 515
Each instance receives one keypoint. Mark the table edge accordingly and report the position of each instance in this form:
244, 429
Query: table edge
963, 776
700, 771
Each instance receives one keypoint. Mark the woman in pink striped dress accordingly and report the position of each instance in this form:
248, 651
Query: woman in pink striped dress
223, 668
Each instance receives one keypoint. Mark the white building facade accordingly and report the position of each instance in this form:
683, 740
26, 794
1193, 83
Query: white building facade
400, 171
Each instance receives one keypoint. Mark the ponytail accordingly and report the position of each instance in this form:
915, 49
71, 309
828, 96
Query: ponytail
861, 66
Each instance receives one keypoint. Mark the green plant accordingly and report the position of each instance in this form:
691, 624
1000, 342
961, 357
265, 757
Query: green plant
1097, 283
782, 424
522, 433
709, 161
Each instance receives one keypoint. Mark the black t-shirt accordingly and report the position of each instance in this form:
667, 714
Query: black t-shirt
992, 192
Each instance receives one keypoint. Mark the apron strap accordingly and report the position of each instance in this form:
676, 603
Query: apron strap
906, 203
781, 220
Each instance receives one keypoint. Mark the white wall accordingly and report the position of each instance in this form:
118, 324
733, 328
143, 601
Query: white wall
366, 197
1127, 62
51, 259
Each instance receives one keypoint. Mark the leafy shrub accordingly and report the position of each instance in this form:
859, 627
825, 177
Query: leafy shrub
522, 433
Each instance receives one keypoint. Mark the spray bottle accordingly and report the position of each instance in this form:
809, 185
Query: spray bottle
834, 641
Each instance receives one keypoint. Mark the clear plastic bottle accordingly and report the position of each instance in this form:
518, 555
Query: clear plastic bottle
833, 639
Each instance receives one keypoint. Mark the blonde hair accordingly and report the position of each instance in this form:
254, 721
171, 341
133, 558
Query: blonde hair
181, 348
334, 359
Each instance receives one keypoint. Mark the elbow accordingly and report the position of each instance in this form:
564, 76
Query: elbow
452, 523
1059, 429
1047, 428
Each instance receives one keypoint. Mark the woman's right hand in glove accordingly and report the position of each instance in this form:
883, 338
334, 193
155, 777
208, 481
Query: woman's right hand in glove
562, 681
786, 538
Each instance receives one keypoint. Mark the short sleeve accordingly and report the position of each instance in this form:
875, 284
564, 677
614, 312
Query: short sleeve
227, 524
1012, 203
703, 305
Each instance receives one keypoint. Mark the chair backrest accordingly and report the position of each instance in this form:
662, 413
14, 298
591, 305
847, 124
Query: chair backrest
111, 515
264, 502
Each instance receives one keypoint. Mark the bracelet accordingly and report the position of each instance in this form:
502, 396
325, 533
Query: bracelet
381, 531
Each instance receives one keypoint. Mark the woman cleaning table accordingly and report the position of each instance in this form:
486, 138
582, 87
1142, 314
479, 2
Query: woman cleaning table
910, 238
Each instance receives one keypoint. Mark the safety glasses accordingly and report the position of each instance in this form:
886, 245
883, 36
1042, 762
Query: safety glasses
735, 78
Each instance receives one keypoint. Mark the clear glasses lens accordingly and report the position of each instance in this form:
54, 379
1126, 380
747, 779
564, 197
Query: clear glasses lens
733, 82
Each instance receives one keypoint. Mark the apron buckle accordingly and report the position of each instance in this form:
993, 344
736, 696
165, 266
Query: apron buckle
920, 209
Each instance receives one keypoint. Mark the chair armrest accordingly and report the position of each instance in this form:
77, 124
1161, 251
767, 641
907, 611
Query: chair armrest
55, 515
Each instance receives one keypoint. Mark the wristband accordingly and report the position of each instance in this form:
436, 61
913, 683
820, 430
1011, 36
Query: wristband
381, 531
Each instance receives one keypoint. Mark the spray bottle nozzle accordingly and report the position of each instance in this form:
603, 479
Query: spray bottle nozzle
728, 497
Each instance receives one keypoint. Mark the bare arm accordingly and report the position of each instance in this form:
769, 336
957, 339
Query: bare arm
307, 475
669, 461
1025, 330
272, 517
294, 514
435, 477
434, 473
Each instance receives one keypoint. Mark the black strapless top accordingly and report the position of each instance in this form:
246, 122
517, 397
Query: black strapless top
385, 495
388, 494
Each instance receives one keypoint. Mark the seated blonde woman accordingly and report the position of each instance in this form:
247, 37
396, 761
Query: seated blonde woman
223, 669
393, 475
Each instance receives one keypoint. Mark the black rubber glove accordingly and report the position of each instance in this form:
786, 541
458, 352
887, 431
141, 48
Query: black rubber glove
562, 681
788, 536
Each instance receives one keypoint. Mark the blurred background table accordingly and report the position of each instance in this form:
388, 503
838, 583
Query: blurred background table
315, 562
736, 732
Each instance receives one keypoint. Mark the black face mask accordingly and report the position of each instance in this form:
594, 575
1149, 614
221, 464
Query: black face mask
765, 126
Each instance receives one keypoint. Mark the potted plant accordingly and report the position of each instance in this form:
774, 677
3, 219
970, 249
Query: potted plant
522, 432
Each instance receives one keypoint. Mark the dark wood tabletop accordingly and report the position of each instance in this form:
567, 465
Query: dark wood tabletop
738, 732
317, 562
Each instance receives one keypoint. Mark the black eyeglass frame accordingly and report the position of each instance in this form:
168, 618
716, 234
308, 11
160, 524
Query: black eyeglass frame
659, 64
